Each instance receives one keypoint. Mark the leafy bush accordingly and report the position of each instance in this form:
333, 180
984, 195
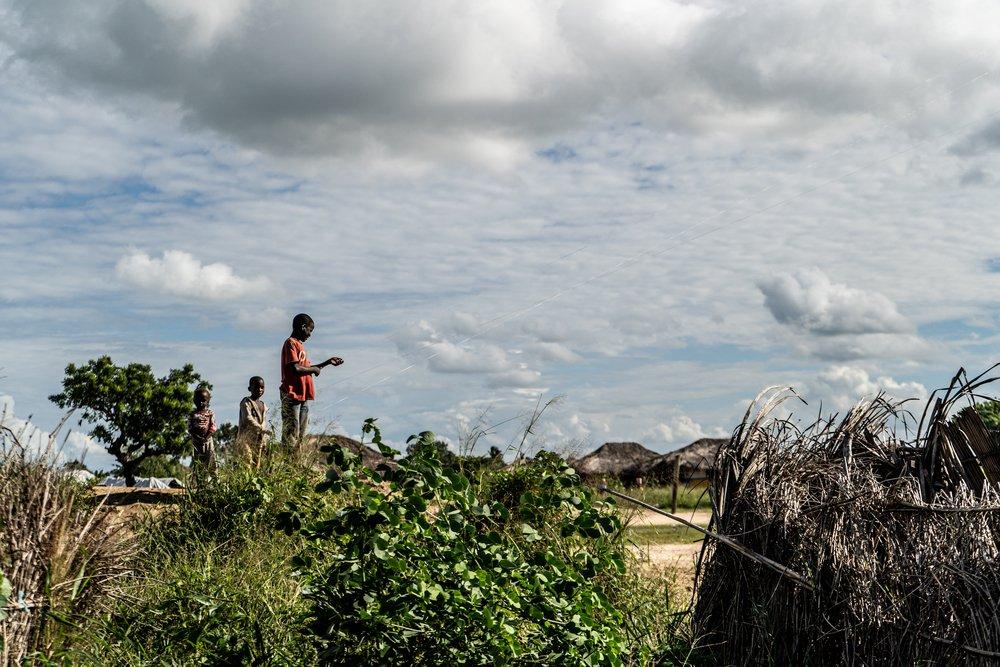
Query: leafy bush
416, 569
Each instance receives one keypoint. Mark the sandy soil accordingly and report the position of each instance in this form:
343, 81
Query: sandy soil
680, 558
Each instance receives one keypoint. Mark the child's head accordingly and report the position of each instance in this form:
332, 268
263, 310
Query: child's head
256, 387
302, 326
202, 398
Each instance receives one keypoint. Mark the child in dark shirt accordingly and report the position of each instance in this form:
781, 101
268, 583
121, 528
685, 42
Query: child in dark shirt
201, 426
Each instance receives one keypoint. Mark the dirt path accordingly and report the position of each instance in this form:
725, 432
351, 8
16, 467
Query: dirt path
679, 558
649, 518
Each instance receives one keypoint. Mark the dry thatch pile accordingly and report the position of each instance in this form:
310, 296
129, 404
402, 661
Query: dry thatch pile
893, 522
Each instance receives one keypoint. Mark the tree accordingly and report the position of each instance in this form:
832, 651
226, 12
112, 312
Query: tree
990, 412
135, 415
225, 437
161, 466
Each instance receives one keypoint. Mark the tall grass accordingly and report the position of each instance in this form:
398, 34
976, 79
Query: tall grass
60, 556
217, 585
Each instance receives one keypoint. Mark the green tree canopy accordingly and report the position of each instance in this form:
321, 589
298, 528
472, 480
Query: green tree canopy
135, 415
990, 412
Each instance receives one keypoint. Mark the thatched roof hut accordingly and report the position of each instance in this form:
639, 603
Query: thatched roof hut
613, 459
697, 461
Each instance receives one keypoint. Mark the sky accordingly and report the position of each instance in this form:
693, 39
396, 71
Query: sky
652, 210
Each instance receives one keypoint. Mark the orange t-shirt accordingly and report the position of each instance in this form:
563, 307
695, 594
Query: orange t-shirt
298, 386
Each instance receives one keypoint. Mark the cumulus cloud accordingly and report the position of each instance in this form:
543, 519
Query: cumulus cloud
872, 346
811, 302
178, 273
842, 386
422, 342
679, 429
483, 81
72, 446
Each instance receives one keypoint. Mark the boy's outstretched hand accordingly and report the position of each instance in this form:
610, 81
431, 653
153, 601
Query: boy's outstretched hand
333, 361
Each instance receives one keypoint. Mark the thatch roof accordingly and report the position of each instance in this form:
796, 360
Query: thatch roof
697, 461
613, 459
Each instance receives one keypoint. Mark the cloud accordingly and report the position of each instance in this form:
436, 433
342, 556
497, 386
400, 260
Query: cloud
554, 352
446, 80
679, 429
843, 386
72, 446
872, 346
975, 176
809, 301
421, 341
263, 319
983, 140
518, 377
179, 273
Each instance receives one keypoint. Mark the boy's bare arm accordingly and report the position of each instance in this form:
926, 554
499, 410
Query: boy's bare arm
307, 370
315, 370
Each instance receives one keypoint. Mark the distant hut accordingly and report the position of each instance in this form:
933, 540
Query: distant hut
697, 461
619, 460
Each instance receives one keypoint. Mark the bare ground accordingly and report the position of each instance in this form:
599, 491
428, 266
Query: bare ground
676, 557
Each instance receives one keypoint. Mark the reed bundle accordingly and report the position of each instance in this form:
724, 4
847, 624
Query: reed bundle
893, 521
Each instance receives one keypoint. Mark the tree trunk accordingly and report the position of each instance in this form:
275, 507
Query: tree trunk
128, 471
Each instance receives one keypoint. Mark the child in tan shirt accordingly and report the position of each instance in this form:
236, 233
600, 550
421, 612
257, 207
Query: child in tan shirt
254, 431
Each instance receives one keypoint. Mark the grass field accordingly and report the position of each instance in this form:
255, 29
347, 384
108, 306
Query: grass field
672, 534
689, 497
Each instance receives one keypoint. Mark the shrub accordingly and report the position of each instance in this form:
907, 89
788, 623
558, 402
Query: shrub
238, 502
416, 569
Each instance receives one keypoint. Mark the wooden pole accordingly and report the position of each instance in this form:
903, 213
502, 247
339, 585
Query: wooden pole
677, 481
721, 539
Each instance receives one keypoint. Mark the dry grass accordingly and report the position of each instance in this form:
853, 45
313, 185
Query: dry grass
59, 555
893, 521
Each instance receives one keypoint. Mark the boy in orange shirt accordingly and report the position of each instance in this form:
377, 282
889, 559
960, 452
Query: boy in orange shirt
297, 387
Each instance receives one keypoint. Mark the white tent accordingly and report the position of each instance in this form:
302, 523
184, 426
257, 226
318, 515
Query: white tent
145, 482
81, 476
